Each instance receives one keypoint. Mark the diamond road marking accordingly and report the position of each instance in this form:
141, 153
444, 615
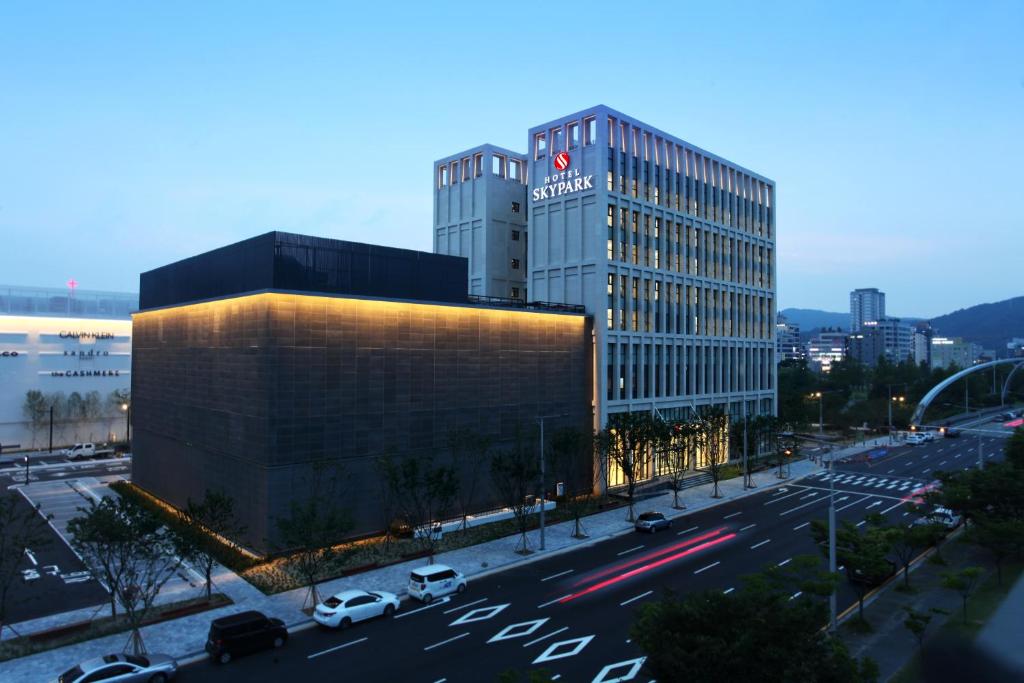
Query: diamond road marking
634, 668
552, 654
479, 614
507, 632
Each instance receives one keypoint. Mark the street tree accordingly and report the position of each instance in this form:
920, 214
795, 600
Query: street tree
314, 527
963, 582
205, 525
906, 543
136, 554
22, 529
572, 460
424, 492
35, 411
1014, 448
917, 623
1002, 537
756, 633
711, 427
514, 474
679, 453
627, 442
862, 551
469, 453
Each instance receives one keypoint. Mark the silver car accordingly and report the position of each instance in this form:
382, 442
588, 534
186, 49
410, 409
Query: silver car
148, 668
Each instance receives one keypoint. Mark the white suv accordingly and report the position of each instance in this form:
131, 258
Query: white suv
435, 580
915, 439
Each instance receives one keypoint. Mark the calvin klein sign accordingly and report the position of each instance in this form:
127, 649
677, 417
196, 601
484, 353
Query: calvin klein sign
86, 335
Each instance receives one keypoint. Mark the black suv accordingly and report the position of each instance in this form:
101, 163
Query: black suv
243, 633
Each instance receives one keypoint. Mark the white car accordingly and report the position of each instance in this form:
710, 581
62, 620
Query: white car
148, 668
343, 609
915, 439
435, 580
940, 515
928, 436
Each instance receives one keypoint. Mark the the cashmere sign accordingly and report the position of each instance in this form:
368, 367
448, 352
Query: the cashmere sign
566, 182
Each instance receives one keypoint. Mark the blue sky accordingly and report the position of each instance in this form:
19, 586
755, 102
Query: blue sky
136, 134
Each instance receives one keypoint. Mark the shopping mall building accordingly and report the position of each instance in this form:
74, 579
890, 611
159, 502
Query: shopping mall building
613, 267
74, 348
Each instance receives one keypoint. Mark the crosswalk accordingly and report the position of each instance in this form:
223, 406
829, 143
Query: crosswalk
874, 482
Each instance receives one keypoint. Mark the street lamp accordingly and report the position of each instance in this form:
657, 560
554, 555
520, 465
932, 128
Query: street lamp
821, 411
892, 400
832, 542
127, 425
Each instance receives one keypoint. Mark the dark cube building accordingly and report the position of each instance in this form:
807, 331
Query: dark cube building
255, 361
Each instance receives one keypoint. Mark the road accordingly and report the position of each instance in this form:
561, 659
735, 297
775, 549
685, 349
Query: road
570, 614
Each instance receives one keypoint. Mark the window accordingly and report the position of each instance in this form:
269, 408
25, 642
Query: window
498, 165
515, 234
478, 165
540, 146
515, 170
515, 293
573, 135
454, 173
515, 207
467, 169
556, 140
590, 130
515, 264
442, 175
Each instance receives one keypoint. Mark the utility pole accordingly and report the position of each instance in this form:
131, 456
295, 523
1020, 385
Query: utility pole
746, 465
51, 430
981, 455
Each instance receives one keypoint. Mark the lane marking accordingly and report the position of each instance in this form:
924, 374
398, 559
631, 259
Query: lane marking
891, 471
336, 648
798, 507
749, 526
733, 515
796, 595
812, 494
552, 652
875, 504
692, 528
785, 562
445, 642
437, 603
891, 508
862, 522
553, 633
758, 545
854, 503
801, 526
468, 604
727, 591
520, 630
555, 576
479, 614
713, 564
551, 602
639, 597
797, 493
626, 552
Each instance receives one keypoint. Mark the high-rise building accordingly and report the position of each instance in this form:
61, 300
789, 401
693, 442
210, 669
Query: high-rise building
866, 346
480, 213
897, 338
787, 340
947, 352
866, 305
922, 343
825, 348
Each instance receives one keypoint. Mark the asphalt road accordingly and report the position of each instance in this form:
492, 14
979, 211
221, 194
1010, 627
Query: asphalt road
570, 614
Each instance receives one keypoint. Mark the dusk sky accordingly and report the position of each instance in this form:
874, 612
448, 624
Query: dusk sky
137, 134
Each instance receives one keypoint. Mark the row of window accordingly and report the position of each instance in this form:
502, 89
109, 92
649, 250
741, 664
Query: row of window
565, 137
643, 305
645, 240
467, 168
735, 200
651, 370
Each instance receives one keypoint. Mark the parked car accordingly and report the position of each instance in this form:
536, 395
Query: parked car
858, 576
951, 432
915, 439
435, 580
928, 436
939, 515
86, 451
242, 633
652, 522
343, 609
151, 668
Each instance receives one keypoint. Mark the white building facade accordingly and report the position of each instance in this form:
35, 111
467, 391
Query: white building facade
76, 352
866, 305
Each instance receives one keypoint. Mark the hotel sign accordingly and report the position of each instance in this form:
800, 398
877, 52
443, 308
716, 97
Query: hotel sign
567, 181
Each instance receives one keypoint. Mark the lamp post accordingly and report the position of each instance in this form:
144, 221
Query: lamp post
832, 543
821, 411
543, 495
127, 425
893, 399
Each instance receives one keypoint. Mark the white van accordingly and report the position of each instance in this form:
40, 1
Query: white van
435, 580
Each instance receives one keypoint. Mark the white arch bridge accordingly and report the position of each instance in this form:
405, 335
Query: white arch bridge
1018, 363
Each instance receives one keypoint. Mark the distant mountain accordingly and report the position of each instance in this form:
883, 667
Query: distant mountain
991, 325
812, 319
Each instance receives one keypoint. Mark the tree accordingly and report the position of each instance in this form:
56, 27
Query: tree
75, 413
626, 441
59, 402
92, 409
678, 453
204, 524
906, 543
862, 552
22, 527
963, 582
1014, 448
140, 550
755, 633
424, 492
314, 526
572, 460
469, 454
96, 535
514, 473
115, 400
35, 411
917, 623
1001, 536
712, 430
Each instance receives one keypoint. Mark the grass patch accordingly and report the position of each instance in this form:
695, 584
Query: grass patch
104, 626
